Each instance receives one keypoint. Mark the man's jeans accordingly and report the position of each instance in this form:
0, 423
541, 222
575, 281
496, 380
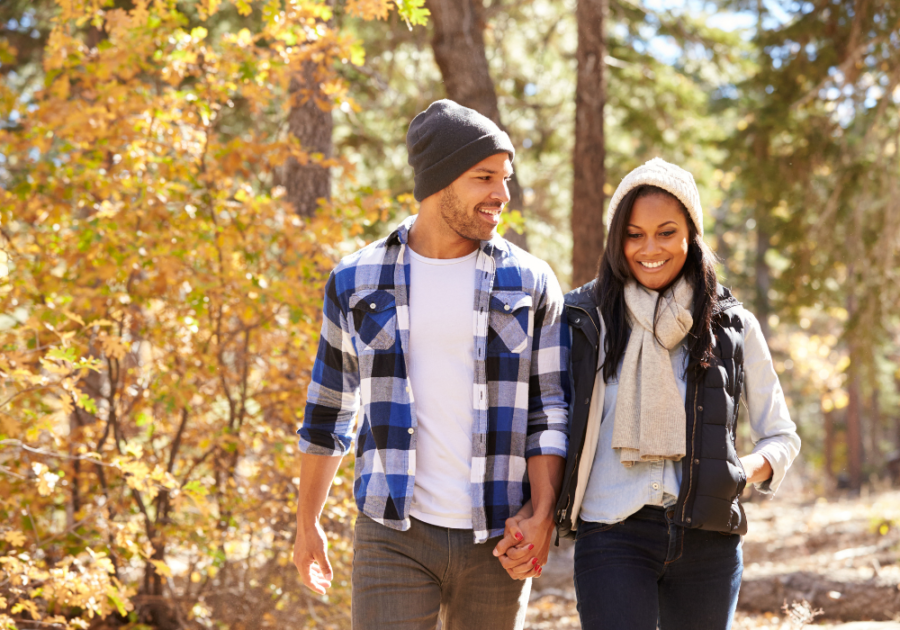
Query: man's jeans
645, 569
405, 580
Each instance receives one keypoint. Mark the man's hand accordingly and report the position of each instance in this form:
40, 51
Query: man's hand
525, 545
311, 547
311, 558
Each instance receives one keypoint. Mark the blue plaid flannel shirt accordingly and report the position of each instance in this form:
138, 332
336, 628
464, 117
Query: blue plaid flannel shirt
521, 382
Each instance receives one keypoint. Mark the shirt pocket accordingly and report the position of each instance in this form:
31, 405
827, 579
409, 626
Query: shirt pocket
509, 322
374, 318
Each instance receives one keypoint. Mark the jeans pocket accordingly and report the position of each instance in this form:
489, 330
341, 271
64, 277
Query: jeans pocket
586, 529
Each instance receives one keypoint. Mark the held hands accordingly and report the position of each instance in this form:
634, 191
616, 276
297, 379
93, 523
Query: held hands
311, 558
525, 545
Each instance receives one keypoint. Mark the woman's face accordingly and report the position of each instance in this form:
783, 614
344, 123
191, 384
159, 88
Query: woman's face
656, 241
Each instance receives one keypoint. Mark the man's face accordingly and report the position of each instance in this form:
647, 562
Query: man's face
472, 204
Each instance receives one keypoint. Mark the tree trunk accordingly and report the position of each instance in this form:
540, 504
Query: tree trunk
761, 267
874, 431
854, 420
590, 149
761, 213
458, 45
311, 125
828, 447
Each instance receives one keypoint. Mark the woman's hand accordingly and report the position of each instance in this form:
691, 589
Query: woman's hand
757, 467
525, 545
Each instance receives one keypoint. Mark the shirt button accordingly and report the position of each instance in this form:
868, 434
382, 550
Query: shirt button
506, 307
410, 471
687, 520
587, 400
576, 320
411, 430
656, 486
407, 389
696, 461
373, 305
700, 408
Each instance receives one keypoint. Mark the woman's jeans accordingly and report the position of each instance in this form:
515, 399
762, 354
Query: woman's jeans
647, 570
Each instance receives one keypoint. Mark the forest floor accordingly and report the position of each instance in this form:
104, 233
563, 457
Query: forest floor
835, 560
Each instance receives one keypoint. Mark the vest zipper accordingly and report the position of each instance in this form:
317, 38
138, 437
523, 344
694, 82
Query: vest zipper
691, 462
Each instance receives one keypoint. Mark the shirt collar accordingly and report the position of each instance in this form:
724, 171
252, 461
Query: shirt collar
496, 246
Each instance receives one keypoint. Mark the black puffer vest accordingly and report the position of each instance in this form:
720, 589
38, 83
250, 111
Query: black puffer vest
712, 475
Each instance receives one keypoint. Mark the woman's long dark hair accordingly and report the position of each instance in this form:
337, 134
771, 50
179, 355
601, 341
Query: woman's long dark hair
699, 270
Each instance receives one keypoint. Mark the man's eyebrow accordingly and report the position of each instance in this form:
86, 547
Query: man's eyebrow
484, 169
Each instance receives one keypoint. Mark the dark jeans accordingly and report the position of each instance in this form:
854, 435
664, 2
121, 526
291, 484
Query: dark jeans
407, 580
646, 571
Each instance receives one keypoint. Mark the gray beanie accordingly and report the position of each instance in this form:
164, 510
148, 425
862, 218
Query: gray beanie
448, 139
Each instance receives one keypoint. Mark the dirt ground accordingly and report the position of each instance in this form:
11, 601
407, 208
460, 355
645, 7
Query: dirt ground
838, 558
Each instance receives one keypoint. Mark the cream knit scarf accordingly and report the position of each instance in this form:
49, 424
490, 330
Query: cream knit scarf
650, 418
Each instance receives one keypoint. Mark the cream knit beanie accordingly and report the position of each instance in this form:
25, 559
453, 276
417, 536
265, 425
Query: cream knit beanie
674, 179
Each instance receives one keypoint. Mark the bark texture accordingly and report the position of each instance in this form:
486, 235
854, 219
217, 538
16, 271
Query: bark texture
312, 125
761, 267
590, 151
458, 45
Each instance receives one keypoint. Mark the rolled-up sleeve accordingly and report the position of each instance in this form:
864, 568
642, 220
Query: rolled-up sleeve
773, 432
548, 387
332, 399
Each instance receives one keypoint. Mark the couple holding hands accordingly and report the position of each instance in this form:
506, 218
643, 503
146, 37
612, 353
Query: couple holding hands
494, 411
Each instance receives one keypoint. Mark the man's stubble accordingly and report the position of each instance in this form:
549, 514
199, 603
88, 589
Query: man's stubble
463, 223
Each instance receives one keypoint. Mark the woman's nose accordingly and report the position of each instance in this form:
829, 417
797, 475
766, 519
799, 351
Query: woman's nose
651, 246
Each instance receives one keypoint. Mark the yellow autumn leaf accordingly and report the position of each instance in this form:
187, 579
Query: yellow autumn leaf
161, 568
15, 538
114, 346
369, 9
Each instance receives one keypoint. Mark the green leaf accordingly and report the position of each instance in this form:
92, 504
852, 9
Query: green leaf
118, 603
412, 12
357, 54
87, 403
196, 488
62, 354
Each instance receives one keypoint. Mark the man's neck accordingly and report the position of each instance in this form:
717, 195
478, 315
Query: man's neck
432, 238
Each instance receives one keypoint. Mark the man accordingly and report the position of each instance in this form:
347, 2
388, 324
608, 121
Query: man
449, 341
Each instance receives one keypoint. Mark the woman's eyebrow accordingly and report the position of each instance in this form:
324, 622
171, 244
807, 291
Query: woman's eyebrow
658, 226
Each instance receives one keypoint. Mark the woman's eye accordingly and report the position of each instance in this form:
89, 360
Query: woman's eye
668, 233
633, 235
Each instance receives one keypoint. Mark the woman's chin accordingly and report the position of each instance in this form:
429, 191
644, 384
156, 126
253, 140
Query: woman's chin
653, 283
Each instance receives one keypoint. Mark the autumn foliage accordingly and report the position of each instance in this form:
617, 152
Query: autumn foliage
161, 307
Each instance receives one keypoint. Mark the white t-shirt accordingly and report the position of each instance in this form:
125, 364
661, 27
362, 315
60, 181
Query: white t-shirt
442, 375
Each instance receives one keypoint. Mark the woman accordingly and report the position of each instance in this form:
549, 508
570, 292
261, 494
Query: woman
661, 354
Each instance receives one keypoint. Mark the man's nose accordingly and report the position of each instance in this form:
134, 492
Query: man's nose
501, 192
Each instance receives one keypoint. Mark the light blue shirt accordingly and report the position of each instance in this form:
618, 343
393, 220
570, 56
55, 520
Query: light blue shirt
615, 492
